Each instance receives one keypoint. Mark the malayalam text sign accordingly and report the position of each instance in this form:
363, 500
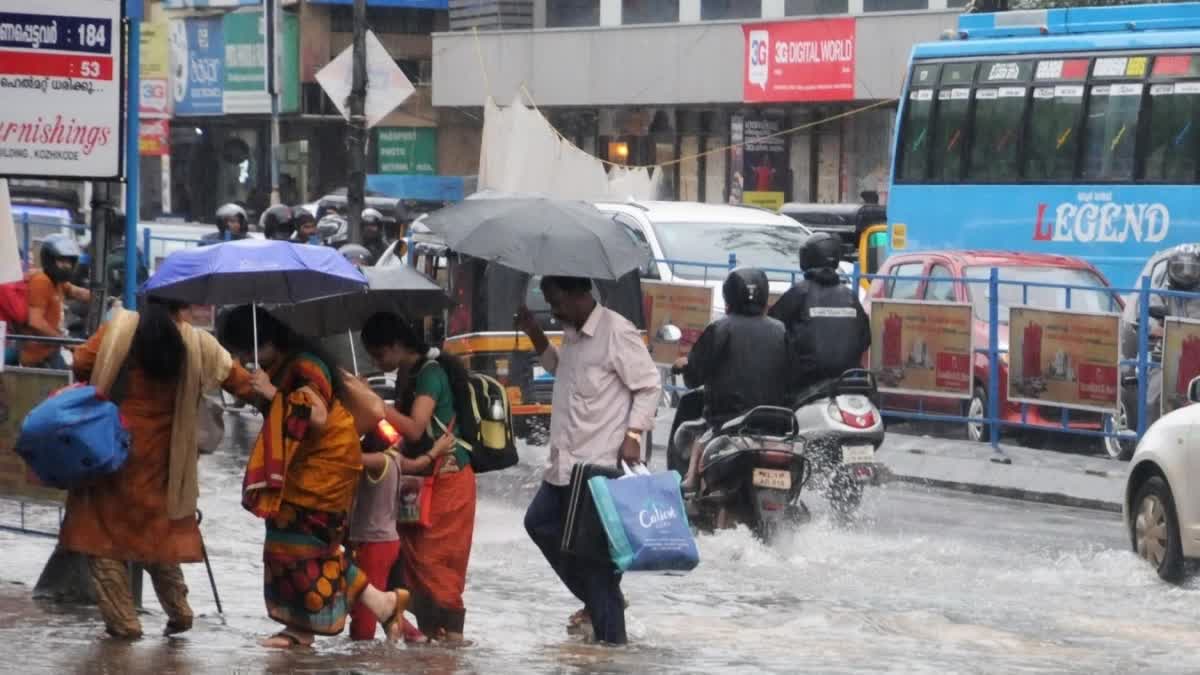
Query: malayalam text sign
799, 61
1064, 358
923, 348
20, 390
687, 307
1180, 361
60, 81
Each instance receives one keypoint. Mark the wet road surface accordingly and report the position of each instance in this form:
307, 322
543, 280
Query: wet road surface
926, 581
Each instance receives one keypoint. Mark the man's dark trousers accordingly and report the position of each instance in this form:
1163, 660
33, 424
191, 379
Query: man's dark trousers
595, 583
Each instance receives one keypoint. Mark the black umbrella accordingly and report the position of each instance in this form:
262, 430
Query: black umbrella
539, 236
396, 288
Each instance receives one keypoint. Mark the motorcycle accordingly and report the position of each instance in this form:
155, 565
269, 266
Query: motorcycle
754, 467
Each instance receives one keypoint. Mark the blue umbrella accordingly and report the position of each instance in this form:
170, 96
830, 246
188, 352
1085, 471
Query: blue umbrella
254, 271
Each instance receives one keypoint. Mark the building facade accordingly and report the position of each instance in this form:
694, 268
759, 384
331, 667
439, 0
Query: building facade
803, 89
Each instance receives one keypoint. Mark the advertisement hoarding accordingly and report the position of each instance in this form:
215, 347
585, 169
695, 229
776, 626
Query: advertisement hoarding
1180, 361
799, 61
197, 66
687, 307
154, 137
20, 390
1068, 359
923, 348
60, 79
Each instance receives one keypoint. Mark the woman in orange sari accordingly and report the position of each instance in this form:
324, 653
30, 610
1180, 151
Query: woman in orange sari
301, 479
146, 511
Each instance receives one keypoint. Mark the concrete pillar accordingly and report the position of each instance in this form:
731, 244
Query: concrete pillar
689, 11
610, 12
856, 6
774, 9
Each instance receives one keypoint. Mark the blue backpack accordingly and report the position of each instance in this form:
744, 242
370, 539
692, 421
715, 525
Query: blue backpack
75, 436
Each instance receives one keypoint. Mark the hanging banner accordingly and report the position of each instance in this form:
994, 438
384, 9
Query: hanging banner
1180, 361
154, 138
924, 348
764, 163
799, 61
20, 390
1064, 358
60, 81
687, 307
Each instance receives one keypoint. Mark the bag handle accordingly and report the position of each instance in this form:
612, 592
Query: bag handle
638, 469
434, 422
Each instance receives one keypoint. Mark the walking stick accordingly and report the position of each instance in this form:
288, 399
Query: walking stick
208, 566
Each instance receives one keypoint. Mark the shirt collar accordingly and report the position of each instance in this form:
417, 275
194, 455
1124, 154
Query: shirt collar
593, 321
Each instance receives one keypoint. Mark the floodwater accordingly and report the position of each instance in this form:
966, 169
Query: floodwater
925, 582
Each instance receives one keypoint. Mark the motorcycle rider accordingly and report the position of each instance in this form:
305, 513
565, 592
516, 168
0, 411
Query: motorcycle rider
1183, 275
47, 291
276, 222
738, 360
231, 225
357, 254
373, 235
305, 224
828, 331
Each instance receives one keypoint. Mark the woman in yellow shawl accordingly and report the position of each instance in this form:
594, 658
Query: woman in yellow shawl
301, 479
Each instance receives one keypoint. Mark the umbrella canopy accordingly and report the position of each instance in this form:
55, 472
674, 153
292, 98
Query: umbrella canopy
397, 288
254, 271
539, 236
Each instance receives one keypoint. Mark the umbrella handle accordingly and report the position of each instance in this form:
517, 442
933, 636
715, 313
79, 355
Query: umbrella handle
353, 351
254, 324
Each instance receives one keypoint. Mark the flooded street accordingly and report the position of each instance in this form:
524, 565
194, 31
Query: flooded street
927, 581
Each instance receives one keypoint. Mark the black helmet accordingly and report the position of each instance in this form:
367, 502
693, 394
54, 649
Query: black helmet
276, 222
55, 248
1183, 271
746, 290
820, 251
230, 210
356, 253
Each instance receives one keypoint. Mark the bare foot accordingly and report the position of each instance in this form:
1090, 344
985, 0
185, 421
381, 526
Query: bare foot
287, 640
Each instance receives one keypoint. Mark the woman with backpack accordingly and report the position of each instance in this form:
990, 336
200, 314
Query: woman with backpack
156, 366
301, 479
430, 387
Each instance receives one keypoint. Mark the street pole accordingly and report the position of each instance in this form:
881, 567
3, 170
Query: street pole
271, 26
355, 197
133, 90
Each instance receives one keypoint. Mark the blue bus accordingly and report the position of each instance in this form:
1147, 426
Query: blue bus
1063, 131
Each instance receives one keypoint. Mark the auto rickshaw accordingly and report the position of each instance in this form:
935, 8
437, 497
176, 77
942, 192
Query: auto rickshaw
480, 330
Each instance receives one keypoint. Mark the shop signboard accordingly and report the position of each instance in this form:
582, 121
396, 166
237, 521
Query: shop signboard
156, 68
922, 348
1064, 358
197, 66
154, 137
687, 307
799, 61
20, 390
246, 63
1180, 361
764, 162
60, 80
406, 150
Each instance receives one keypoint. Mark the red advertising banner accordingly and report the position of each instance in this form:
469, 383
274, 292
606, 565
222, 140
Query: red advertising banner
799, 61
154, 138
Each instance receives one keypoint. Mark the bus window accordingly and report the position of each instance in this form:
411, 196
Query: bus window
918, 118
1110, 131
1053, 133
998, 115
950, 130
1174, 115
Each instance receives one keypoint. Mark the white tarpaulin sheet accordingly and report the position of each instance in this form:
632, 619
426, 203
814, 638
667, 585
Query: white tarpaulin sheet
522, 153
10, 258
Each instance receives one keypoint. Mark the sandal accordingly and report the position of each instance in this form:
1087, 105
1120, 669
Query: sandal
394, 626
175, 627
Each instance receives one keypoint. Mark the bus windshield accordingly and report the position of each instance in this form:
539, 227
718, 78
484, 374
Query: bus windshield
1015, 294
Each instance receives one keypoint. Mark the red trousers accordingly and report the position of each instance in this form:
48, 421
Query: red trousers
375, 559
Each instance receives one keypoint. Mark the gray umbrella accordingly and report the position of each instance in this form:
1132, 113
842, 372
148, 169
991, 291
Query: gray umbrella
539, 236
397, 288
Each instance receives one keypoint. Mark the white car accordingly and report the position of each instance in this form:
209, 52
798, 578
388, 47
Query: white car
1162, 494
679, 233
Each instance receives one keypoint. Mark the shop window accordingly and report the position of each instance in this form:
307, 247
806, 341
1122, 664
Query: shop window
894, 5
807, 7
649, 11
716, 10
572, 13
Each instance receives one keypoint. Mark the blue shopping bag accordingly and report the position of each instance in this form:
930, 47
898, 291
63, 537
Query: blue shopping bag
645, 522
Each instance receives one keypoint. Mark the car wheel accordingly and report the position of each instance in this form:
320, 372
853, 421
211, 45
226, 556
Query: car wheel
1118, 448
1155, 529
977, 407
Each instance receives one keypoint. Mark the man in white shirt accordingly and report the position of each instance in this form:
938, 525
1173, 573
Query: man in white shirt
606, 392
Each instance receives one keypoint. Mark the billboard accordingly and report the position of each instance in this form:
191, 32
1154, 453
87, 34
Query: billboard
197, 66
60, 79
922, 347
1064, 358
1180, 361
687, 307
765, 165
799, 61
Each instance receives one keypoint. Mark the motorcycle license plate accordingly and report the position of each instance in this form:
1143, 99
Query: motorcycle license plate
776, 479
858, 454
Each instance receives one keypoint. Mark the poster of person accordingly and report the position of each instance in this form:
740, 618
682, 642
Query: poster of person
20, 390
1180, 361
1065, 358
922, 348
764, 166
687, 307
